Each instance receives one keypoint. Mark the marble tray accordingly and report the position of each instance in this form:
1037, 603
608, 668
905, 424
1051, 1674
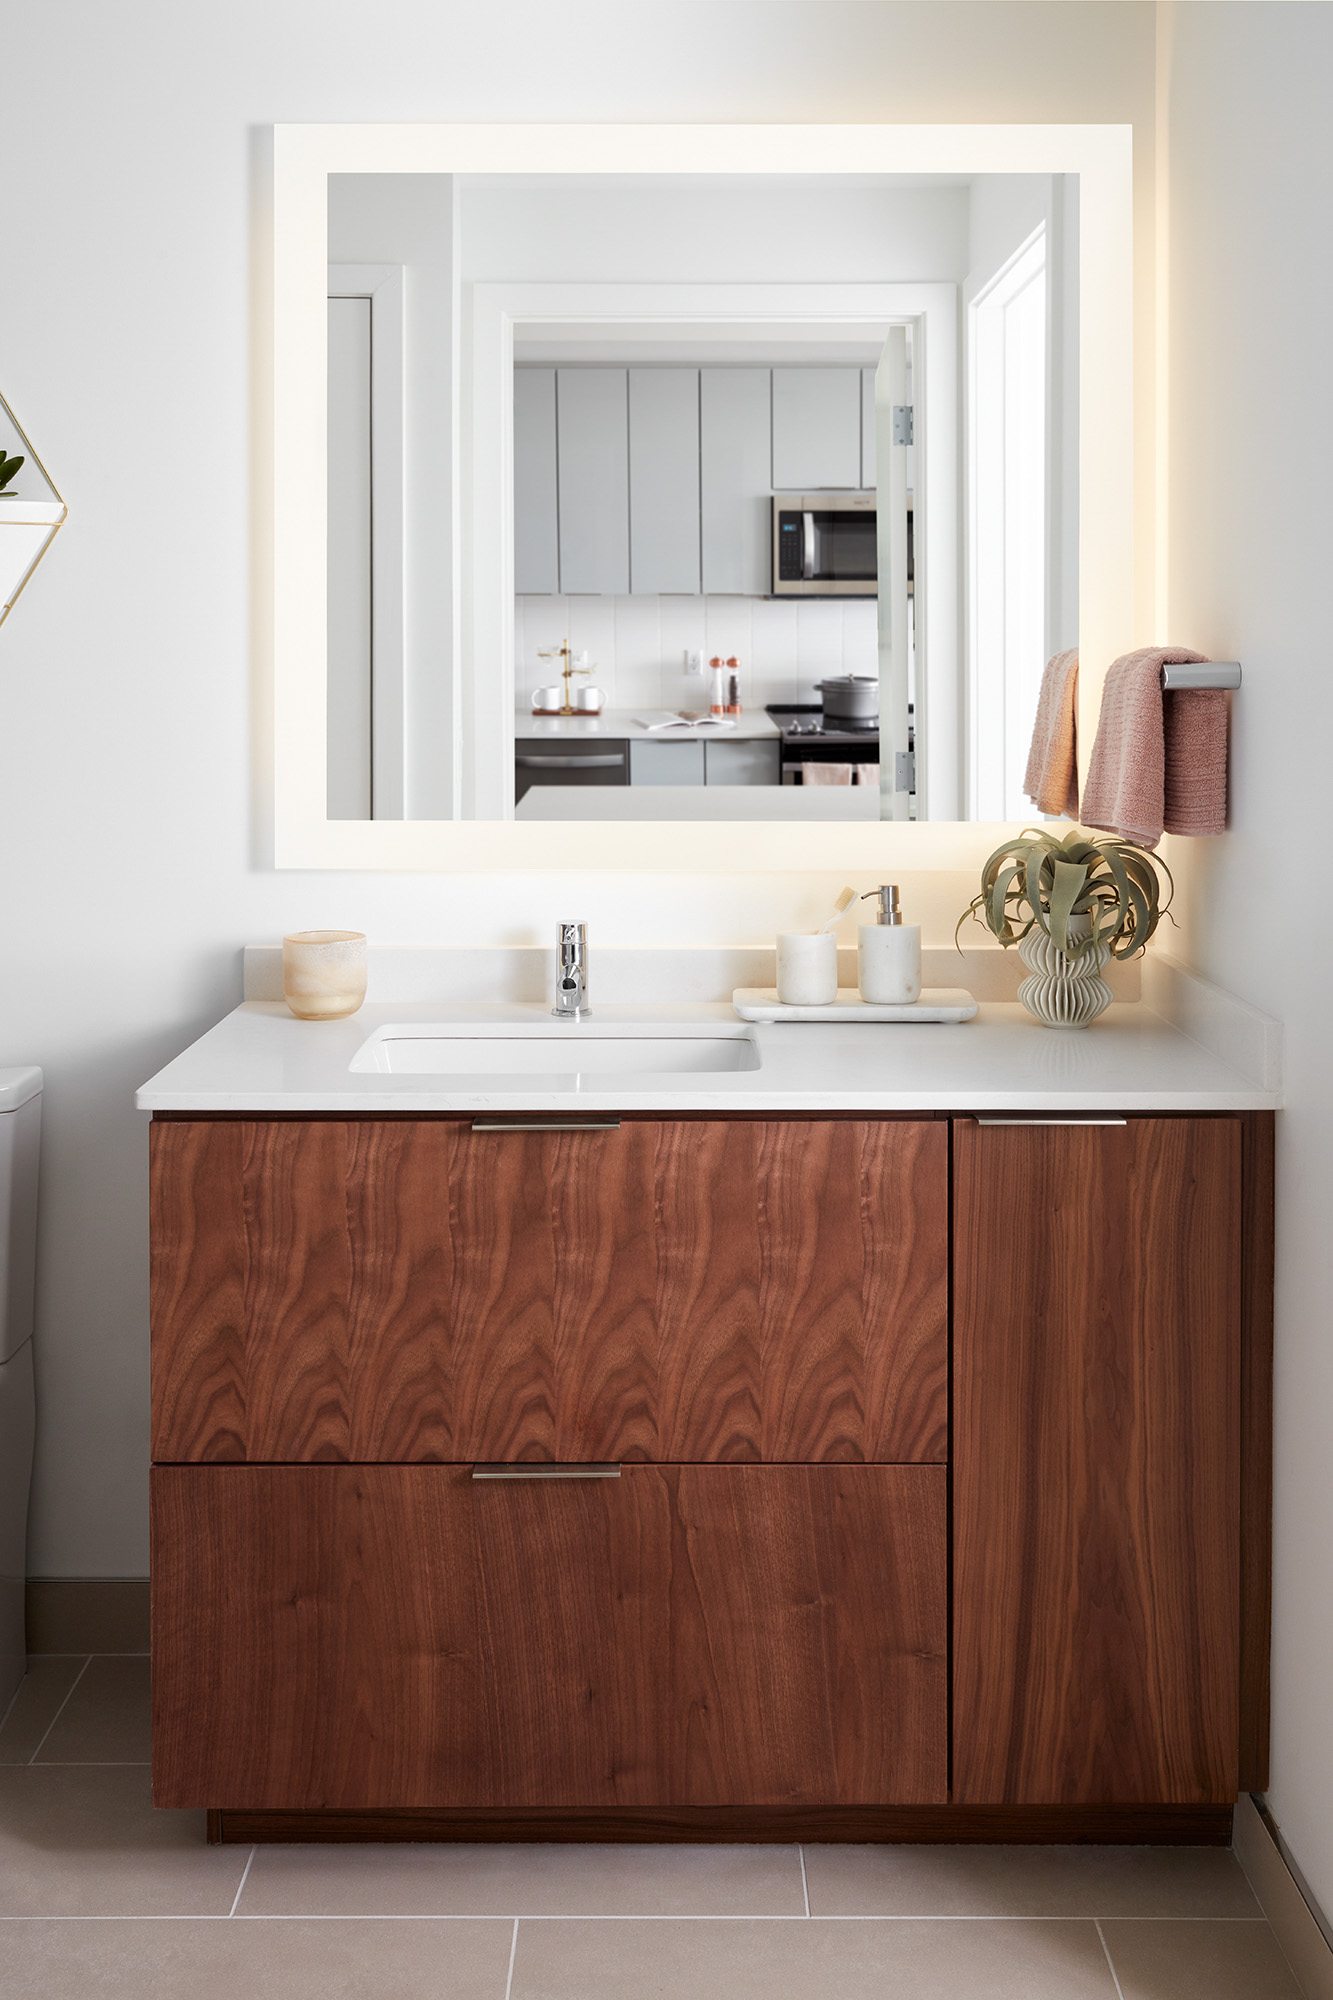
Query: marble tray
937, 1003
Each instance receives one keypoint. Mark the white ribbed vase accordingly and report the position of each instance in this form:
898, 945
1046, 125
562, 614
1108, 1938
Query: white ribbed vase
1063, 992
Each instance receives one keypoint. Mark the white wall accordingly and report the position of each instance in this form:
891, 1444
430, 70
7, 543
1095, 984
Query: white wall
135, 811
1251, 526
717, 232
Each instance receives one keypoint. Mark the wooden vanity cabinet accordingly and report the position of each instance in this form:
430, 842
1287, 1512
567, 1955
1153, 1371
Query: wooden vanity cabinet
942, 1502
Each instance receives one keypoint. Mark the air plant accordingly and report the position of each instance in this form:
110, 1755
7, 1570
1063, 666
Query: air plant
8, 467
1039, 883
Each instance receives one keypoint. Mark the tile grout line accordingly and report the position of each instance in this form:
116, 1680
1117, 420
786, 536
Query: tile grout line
1110, 1962
88, 1660
805, 1886
513, 1953
241, 1884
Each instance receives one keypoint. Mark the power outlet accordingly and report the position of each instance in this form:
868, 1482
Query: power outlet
694, 661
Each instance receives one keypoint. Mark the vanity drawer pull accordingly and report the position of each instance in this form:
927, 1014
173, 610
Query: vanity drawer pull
1057, 1122
591, 1470
605, 763
546, 1124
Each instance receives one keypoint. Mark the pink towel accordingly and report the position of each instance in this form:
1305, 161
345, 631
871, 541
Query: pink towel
826, 774
1052, 774
1160, 760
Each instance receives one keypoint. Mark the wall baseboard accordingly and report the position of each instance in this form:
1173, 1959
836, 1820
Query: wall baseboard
1293, 1921
87, 1614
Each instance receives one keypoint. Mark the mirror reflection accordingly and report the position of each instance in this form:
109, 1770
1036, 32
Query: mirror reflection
697, 497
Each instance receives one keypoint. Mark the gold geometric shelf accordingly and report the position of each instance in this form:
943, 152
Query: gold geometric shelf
30, 512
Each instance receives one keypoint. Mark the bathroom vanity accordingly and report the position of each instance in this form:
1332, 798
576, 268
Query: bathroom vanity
868, 1443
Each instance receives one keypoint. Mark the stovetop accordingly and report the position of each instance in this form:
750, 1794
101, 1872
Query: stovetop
802, 721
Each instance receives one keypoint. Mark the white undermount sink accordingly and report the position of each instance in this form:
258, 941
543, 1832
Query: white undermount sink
556, 1048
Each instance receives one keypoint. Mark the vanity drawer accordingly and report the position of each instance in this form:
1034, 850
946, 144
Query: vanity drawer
413, 1290
407, 1636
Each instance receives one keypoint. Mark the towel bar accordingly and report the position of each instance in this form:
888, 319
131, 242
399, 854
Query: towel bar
1207, 674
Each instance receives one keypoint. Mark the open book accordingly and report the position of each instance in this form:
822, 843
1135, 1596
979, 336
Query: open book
687, 718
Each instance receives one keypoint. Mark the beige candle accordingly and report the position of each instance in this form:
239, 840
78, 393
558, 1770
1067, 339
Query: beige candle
324, 973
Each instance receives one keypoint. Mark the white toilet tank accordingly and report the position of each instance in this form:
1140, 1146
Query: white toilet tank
20, 1130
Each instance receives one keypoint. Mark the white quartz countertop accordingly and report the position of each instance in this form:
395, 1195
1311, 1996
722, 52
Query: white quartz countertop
261, 1059
633, 725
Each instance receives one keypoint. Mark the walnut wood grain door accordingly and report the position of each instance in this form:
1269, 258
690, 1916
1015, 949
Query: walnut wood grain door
376, 1636
411, 1290
1096, 1461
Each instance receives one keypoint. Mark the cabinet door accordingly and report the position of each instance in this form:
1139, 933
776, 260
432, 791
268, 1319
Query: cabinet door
536, 536
592, 426
374, 1636
736, 479
666, 763
408, 1289
664, 480
1096, 1462
753, 761
816, 428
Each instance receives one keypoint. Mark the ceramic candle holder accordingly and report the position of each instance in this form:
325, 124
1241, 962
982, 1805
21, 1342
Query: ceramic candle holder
807, 968
324, 973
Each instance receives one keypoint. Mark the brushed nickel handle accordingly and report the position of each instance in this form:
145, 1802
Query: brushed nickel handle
546, 1124
599, 763
1057, 1122
592, 1470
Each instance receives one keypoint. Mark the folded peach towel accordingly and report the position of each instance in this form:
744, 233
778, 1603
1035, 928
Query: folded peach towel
1159, 762
867, 774
1052, 774
826, 774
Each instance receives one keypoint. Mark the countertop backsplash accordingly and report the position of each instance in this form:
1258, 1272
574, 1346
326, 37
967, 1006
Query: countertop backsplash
639, 645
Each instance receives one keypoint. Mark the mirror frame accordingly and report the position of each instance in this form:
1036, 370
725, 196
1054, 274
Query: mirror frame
303, 158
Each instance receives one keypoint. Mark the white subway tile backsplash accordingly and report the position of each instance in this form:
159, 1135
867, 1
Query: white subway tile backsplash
784, 645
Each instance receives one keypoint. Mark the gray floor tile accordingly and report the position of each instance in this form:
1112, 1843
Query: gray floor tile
49, 1678
889, 1960
261, 1961
1026, 1882
88, 1842
1204, 1961
107, 1719
521, 1880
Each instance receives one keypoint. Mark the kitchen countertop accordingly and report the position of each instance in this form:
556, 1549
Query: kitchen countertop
261, 1059
629, 725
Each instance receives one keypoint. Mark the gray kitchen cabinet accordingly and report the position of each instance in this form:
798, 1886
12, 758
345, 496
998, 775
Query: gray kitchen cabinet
592, 430
753, 761
867, 427
816, 428
735, 477
664, 480
666, 763
536, 533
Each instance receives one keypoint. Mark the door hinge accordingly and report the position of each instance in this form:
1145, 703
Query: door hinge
903, 426
904, 771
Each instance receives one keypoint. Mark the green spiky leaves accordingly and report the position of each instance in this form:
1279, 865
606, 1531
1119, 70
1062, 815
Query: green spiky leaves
1037, 882
8, 467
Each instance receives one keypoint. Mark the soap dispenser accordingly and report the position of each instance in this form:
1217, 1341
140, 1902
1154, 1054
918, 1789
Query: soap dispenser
888, 954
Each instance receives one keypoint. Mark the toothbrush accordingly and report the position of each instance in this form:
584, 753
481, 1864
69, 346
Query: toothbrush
845, 897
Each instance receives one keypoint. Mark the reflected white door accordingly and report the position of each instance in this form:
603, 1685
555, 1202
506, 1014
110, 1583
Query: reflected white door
895, 663
1006, 528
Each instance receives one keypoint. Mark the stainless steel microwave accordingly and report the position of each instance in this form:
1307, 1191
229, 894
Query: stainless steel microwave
824, 545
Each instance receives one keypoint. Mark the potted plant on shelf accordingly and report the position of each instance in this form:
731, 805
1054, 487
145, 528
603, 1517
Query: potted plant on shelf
1070, 905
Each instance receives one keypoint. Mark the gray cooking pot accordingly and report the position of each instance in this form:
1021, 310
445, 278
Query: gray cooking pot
851, 697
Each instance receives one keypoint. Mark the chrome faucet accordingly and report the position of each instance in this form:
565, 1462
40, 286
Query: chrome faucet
571, 973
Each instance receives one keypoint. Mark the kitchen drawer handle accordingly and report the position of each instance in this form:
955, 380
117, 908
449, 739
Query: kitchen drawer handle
546, 1124
566, 1471
1056, 1122
574, 763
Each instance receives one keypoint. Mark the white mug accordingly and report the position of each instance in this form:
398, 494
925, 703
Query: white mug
807, 968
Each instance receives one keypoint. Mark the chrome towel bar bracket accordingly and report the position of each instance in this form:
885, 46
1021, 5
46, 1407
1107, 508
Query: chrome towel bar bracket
1206, 674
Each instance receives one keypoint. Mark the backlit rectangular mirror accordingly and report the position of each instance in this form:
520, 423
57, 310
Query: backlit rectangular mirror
665, 499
